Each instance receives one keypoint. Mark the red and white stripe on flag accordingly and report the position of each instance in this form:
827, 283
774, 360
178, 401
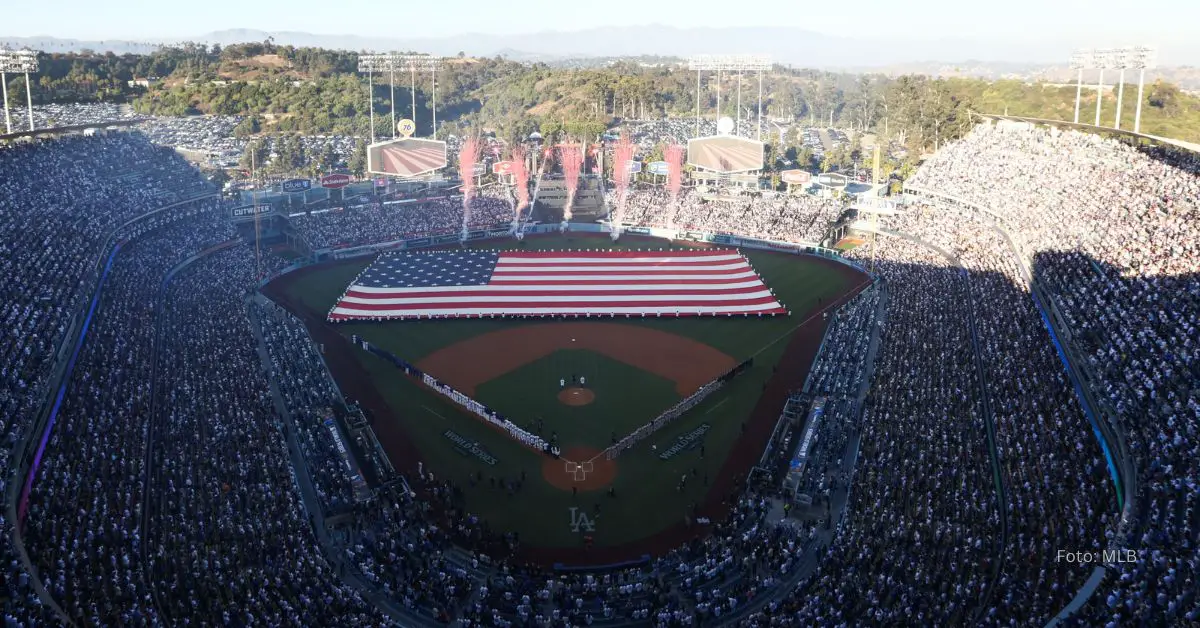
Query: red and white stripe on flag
592, 283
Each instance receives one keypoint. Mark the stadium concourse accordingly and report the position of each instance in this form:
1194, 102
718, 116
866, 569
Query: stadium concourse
184, 474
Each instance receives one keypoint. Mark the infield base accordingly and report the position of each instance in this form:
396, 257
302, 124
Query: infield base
579, 468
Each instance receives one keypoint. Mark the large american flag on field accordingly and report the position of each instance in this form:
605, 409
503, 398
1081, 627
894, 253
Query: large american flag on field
477, 283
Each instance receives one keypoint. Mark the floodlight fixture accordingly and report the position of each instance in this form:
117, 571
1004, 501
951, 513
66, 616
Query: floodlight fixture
1140, 58
17, 62
729, 63
390, 63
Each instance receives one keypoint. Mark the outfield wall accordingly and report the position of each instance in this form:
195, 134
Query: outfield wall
728, 239
341, 253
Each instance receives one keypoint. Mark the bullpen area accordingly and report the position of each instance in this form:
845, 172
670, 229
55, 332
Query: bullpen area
583, 384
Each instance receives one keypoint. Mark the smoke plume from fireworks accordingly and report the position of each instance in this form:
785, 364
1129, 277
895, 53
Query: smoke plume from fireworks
520, 175
468, 156
622, 160
571, 157
674, 159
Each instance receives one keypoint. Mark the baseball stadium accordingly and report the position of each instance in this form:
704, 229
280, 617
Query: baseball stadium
585, 383
611, 342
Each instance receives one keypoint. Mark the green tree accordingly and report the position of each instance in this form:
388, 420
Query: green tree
247, 127
255, 155
550, 129
357, 163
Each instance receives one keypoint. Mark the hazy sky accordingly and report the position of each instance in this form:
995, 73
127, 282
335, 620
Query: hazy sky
1101, 21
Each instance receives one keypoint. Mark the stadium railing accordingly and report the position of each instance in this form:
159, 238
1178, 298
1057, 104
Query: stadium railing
22, 465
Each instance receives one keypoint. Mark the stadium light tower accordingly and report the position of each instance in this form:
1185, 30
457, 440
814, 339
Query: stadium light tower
17, 62
391, 63
1080, 61
1140, 58
1125, 58
729, 63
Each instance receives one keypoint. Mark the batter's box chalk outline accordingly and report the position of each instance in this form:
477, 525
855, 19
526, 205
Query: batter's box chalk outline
579, 470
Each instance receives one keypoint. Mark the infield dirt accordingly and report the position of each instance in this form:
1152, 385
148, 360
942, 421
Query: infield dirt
576, 396
788, 373
471, 362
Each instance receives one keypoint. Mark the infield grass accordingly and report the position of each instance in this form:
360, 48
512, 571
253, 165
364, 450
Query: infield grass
625, 397
647, 498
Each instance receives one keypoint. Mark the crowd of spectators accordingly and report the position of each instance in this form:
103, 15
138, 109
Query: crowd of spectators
1112, 232
166, 493
230, 541
790, 218
839, 370
60, 200
83, 529
1056, 485
310, 396
377, 223
921, 530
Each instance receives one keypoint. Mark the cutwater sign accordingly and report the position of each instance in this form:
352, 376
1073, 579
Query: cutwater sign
658, 167
686, 442
250, 210
470, 447
295, 185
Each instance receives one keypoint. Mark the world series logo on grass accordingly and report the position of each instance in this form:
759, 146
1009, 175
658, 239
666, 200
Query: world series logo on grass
686, 442
471, 447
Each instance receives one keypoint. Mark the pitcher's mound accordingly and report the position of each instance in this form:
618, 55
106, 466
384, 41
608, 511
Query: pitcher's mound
582, 468
575, 396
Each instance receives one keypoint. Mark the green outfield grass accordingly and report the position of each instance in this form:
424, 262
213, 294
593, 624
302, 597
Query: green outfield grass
647, 498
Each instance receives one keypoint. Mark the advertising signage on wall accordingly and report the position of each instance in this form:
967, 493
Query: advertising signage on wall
832, 180
248, 211
293, 186
795, 177
335, 181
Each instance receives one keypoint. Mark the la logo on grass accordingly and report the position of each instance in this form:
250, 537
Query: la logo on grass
581, 521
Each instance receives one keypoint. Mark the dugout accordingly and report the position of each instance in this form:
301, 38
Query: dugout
793, 479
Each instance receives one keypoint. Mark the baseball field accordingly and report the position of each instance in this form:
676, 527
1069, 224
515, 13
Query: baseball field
585, 383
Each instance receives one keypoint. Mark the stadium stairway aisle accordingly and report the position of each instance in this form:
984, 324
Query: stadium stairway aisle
308, 493
985, 400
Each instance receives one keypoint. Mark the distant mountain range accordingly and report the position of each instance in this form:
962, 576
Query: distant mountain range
791, 46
